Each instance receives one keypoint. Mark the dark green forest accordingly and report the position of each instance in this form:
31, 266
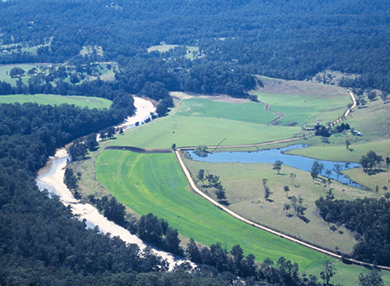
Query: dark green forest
284, 39
41, 243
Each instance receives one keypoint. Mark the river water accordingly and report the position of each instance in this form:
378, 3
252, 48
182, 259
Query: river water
51, 177
271, 155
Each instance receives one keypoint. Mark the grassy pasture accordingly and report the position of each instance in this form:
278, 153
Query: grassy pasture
307, 88
51, 99
198, 130
155, 183
248, 111
202, 121
245, 193
374, 123
5, 71
13, 48
302, 109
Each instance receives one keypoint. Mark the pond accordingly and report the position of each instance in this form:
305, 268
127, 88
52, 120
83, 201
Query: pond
271, 155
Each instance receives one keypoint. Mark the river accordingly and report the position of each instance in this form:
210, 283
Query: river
51, 178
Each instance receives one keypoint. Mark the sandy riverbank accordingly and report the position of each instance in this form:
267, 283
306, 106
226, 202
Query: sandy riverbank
143, 110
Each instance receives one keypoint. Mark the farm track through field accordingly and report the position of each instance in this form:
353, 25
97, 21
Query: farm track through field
278, 114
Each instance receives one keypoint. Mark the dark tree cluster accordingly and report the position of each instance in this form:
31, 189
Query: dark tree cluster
158, 232
71, 181
41, 243
368, 218
343, 126
321, 130
370, 161
234, 263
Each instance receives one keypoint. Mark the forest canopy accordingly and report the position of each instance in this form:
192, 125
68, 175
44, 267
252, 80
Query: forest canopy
285, 39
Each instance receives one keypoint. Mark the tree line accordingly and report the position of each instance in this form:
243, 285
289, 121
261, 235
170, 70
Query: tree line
368, 218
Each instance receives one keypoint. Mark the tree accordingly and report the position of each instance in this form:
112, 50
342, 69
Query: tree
16, 72
362, 102
347, 143
91, 142
103, 134
200, 176
172, 241
316, 169
328, 271
286, 189
370, 160
110, 132
201, 151
221, 195
373, 278
286, 207
278, 166
115, 211
300, 209
371, 95
238, 255
384, 96
329, 195
313, 175
77, 150
387, 162
267, 192
337, 168
193, 253
292, 176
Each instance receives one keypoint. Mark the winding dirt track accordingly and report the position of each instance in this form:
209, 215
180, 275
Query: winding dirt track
237, 216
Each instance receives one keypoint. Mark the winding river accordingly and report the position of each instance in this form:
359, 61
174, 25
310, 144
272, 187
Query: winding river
271, 155
51, 178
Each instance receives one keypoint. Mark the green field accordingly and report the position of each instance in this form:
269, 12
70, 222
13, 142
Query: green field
301, 109
199, 121
193, 131
154, 183
51, 99
248, 112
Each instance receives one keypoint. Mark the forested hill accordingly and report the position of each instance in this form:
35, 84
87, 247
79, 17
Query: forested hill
288, 39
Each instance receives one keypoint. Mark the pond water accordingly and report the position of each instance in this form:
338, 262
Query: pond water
271, 155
